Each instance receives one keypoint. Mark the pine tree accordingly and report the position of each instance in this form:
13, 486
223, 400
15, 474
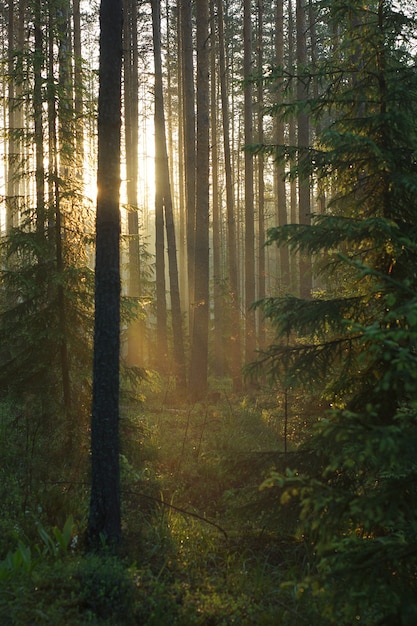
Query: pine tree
354, 342
104, 515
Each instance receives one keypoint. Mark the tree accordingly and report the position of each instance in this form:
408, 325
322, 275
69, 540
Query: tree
38, 63
46, 310
218, 330
261, 168
354, 343
188, 110
164, 196
131, 122
250, 289
281, 192
232, 257
199, 337
303, 141
104, 515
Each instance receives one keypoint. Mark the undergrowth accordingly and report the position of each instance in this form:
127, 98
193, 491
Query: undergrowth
203, 545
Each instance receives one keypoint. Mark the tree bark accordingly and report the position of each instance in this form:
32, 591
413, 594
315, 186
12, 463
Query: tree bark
12, 148
303, 142
104, 516
284, 259
250, 330
189, 142
136, 329
261, 181
218, 360
199, 344
78, 95
38, 117
163, 180
235, 334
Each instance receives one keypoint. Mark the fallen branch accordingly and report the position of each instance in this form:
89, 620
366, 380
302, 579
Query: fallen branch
178, 509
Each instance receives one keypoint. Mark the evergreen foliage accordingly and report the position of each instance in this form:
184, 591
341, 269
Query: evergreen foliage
354, 342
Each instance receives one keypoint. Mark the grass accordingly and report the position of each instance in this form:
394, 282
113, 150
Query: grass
202, 544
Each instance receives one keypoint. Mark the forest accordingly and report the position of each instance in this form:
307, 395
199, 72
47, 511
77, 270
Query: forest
208, 313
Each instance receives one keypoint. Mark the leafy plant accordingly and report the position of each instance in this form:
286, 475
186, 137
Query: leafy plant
60, 541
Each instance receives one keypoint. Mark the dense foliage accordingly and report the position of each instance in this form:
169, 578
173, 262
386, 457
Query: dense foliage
354, 341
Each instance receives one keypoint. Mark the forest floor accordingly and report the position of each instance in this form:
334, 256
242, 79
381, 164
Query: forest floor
203, 543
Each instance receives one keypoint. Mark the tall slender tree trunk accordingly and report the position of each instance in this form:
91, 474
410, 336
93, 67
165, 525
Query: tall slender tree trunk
78, 96
163, 179
38, 63
261, 181
292, 139
250, 331
161, 304
181, 171
168, 102
321, 200
218, 365
284, 259
59, 118
189, 142
235, 334
136, 330
66, 150
303, 143
12, 151
104, 515
199, 343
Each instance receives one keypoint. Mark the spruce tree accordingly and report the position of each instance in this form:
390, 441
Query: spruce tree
354, 342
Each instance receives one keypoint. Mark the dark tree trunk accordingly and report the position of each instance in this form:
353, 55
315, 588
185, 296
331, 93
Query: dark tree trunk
12, 163
218, 357
104, 516
303, 142
78, 94
284, 259
250, 331
58, 109
261, 180
199, 343
38, 117
292, 140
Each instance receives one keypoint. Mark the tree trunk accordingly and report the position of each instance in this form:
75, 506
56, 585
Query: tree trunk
250, 331
235, 334
12, 148
135, 331
181, 172
199, 343
189, 142
292, 140
38, 117
284, 259
261, 181
163, 180
303, 143
59, 141
78, 96
104, 516
218, 359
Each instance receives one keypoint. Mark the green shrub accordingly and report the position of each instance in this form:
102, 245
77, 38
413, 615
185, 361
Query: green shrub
106, 588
